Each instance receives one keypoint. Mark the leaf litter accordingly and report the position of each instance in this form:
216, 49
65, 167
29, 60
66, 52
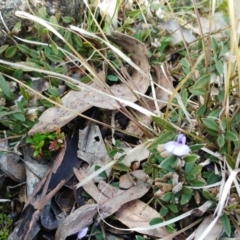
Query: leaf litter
121, 202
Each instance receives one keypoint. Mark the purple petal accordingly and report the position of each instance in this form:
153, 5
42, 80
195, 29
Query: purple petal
181, 150
170, 146
181, 139
82, 233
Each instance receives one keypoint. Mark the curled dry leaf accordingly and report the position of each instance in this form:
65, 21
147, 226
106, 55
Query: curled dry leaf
80, 101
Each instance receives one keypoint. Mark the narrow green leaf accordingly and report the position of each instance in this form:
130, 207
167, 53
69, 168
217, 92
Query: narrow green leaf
220, 140
72, 86
163, 211
212, 178
3, 48
170, 229
163, 124
215, 113
185, 63
42, 12
214, 45
207, 195
139, 237
17, 28
156, 220
196, 147
197, 92
102, 174
210, 123
54, 58
67, 19
202, 81
173, 208
189, 167
24, 49
185, 198
186, 190
219, 67
166, 163
230, 136
121, 167
230, 160
201, 110
54, 20
197, 183
4, 86
189, 177
196, 170
77, 41
226, 224
184, 96
167, 196
19, 116
54, 48
191, 158
24, 93
11, 51
112, 78
162, 138
5, 113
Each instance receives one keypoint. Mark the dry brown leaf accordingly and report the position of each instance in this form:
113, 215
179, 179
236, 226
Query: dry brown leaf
113, 204
135, 213
128, 180
34, 170
90, 186
92, 149
79, 219
80, 101
12, 167
136, 154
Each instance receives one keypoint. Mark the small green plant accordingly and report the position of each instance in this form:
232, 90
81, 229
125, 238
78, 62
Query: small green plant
5, 223
45, 144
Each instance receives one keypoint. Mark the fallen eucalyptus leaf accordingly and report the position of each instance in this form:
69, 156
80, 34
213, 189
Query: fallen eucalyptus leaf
79, 219
92, 149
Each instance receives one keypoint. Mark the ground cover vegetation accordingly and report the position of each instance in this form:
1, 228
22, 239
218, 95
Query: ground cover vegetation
125, 124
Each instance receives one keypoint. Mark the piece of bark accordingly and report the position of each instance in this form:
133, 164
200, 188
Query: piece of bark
53, 181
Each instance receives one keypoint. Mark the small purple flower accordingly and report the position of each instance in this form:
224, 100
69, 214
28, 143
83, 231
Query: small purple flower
82, 233
178, 148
